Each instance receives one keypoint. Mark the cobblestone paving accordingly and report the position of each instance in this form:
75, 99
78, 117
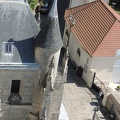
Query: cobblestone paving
78, 99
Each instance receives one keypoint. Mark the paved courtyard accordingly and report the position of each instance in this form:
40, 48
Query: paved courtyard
79, 101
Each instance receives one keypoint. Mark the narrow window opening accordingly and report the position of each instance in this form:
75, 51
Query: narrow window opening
66, 32
78, 51
15, 86
15, 98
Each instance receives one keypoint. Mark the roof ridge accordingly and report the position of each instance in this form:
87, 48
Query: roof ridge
90, 4
110, 10
94, 23
80, 6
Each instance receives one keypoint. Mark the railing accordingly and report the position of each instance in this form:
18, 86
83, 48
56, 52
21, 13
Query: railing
101, 84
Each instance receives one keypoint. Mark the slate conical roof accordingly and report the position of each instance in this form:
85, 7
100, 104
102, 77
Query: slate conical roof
49, 37
18, 27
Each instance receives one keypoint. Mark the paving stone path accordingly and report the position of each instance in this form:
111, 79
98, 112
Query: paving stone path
79, 101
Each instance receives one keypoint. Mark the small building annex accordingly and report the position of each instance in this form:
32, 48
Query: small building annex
74, 3
93, 39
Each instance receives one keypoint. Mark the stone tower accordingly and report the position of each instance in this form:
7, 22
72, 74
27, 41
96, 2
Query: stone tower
49, 43
18, 69
29, 79
47, 51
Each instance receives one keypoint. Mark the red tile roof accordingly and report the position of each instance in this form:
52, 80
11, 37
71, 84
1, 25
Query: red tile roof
97, 27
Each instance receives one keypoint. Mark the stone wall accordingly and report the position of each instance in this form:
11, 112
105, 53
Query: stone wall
113, 106
27, 79
14, 112
52, 98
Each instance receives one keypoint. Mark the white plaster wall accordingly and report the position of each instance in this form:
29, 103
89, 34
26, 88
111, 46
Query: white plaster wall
103, 67
116, 72
75, 3
106, 1
106, 93
73, 46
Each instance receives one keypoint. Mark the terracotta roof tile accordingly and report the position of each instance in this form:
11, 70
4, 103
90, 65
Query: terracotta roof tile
111, 42
96, 24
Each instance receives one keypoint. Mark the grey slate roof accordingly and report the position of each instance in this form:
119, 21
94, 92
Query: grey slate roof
49, 37
17, 25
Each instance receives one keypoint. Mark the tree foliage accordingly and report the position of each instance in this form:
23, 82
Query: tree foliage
115, 1
32, 3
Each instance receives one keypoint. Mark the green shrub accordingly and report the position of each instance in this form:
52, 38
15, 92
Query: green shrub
32, 3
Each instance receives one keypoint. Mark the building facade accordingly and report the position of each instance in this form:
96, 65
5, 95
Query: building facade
74, 3
28, 63
92, 38
92, 35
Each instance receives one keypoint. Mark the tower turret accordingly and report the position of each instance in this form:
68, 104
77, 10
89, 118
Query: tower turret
48, 44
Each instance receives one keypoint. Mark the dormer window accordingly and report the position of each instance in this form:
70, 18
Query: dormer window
8, 48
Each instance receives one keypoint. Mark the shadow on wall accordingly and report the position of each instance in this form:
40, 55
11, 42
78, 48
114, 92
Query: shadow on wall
73, 78
24, 51
61, 11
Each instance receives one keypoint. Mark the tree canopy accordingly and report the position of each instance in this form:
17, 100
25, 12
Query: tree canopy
32, 3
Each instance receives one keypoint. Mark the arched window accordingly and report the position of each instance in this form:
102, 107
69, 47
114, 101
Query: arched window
78, 51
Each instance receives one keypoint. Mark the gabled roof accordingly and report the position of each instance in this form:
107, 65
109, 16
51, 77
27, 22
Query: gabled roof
97, 27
